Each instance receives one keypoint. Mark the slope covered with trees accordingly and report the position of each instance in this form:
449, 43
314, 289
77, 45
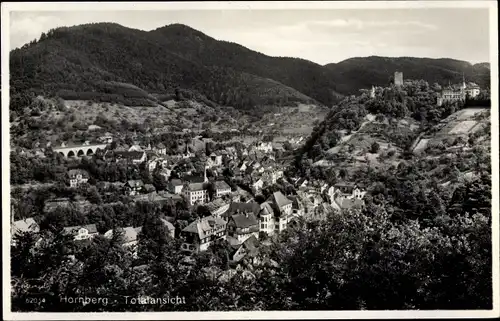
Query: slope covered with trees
99, 61
88, 61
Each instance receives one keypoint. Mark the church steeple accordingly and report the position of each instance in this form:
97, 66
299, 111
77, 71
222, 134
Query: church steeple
463, 81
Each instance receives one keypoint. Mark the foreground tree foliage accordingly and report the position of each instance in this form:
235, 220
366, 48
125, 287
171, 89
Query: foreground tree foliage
352, 260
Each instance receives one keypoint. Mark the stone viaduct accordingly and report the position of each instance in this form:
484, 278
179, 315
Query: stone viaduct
79, 150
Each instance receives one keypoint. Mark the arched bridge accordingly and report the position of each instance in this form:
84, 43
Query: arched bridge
79, 150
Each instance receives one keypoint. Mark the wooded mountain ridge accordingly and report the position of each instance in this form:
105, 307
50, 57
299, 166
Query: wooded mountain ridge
90, 60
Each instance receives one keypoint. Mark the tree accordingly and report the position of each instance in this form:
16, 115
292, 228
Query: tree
375, 147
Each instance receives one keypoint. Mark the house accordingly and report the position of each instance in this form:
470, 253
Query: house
215, 159
149, 188
222, 188
347, 203
242, 225
301, 182
308, 205
472, 90
152, 164
275, 213
265, 147
202, 233
347, 191
248, 249
24, 225
257, 186
170, 227
134, 157
160, 149
217, 207
243, 166
240, 207
298, 208
283, 204
269, 221
195, 193
175, 186
77, 177
135, 148
83, 232
53, 204
107, 138
129, 235
133, 187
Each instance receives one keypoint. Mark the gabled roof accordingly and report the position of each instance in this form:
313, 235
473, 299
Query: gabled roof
135, 183
203, 225
135, 155
280, 200
251, 245
215, 204
238, 207
194, 178
75, 172
267, 208
222, 185
92, 228
195, 187
176, 182
167, 224
130, 233
245, 220
25, 225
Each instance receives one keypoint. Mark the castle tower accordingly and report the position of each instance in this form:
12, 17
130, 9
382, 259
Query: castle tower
372, 93
398, 78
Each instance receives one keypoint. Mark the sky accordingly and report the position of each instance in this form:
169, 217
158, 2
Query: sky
322, 36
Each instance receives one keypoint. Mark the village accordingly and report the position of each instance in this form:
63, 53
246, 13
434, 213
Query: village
233, 185
229, 196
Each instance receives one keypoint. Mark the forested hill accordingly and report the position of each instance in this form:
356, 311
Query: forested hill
102, 60
355, 73
110, 62
305, 76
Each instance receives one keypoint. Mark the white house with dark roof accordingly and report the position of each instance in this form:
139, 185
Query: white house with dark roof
130, 235
175, 186
77, 177
134, 187
275, 213
222, 188
242, 225
82, 232
282, 202
202, 233
160, 149
195, 193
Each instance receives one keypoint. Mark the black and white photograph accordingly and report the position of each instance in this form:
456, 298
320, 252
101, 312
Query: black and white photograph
271, 160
